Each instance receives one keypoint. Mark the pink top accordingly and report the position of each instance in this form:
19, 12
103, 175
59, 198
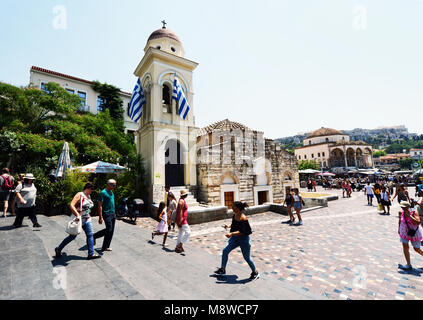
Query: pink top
403, 229
184, 214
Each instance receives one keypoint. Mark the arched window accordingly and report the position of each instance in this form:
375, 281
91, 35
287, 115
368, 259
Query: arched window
166, 99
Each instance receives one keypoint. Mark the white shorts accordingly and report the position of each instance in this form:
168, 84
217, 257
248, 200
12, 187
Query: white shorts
415, 244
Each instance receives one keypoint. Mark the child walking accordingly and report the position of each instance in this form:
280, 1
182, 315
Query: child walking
162, 228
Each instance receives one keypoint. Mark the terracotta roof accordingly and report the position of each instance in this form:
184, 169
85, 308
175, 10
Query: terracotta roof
324, 132
62, 75
414, 149
164, 33
224, 125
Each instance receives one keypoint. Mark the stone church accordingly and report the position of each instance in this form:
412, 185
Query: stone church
219, 164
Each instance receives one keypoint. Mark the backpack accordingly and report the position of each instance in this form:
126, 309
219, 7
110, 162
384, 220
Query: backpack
7, 184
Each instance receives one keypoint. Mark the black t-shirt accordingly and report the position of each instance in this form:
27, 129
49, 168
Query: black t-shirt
288, 199
241, 226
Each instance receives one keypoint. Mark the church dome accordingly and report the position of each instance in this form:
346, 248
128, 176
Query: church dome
164, 33
325, 132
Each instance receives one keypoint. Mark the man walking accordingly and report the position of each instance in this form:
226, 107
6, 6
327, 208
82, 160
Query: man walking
106, 212
6, 186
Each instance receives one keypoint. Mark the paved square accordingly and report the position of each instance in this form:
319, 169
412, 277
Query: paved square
345, 251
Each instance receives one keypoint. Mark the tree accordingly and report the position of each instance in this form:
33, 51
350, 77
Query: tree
111, 100
378, 154
308, 164
406, 163
34, 126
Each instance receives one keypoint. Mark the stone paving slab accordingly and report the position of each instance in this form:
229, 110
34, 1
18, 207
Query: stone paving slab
345, 251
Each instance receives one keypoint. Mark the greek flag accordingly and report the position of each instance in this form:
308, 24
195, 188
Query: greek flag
137, 102
179, 96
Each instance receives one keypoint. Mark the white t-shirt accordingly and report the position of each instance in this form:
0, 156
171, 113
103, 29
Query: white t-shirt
369, 189
28, 193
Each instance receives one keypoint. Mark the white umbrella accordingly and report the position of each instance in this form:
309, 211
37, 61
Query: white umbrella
101, 167
64, 162
308, 171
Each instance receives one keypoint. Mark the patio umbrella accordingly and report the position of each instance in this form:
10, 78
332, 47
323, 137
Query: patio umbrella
101, 167
308, 171
328, 174
64, 162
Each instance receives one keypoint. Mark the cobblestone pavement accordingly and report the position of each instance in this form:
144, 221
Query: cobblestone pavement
345, 251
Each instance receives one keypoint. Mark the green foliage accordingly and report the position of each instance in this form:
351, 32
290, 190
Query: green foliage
378, 154
34, 126
111, 101
398, 146
406, 163
73, 183
308, 164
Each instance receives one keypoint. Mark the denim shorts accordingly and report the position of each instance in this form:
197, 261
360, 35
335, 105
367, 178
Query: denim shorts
297, 205
415, 244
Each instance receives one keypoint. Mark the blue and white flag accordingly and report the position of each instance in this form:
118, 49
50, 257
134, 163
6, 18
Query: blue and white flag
179, 96
137, 102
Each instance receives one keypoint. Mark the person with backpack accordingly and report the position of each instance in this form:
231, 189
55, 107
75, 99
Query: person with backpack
6, 186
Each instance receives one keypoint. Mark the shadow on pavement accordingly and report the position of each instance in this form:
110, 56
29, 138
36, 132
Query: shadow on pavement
229, 279
64, 259
7, 228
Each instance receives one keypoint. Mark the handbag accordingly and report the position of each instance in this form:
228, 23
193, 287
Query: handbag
411, 232
75, 227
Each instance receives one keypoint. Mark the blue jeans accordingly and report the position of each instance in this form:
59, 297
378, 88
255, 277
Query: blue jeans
235, 242
88, 228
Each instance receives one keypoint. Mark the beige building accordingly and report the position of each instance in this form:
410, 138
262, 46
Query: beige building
333, 149
90, 100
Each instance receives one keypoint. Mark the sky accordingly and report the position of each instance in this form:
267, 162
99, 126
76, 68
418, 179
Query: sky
281, 67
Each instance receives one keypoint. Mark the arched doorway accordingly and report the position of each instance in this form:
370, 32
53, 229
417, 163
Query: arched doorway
174, 167
337, 158
350, 157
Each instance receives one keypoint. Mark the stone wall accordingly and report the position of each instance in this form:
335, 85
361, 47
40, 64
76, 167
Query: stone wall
248, 159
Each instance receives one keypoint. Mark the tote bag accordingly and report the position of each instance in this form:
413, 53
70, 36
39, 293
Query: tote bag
75, 227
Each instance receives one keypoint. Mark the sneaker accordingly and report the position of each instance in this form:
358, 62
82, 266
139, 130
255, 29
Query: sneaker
37, 225
407, 267
220, 271
58, 252
254, 275
94, 256
300, 223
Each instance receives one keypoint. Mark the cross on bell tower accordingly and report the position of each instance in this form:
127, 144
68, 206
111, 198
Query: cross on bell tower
164, 24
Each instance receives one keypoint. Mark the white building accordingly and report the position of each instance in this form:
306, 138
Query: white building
416, 154
90, 100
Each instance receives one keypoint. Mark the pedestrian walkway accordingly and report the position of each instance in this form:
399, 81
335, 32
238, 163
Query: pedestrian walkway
137, 268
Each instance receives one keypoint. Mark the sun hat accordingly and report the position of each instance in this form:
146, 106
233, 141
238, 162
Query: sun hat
184, 192
29, 176
405, 204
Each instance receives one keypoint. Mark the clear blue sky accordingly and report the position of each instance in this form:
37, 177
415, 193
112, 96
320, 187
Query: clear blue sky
281, 67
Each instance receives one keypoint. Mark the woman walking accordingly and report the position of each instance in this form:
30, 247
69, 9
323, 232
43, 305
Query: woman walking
162, 227
26, 193
298, 205
289, 202
402, 194
408, 230
182, 222
81, 206
385, 200
239, 236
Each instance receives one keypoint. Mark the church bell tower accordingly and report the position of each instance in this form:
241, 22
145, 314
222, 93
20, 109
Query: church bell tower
165, 140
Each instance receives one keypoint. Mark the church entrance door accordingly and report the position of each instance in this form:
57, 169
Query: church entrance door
174, 168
